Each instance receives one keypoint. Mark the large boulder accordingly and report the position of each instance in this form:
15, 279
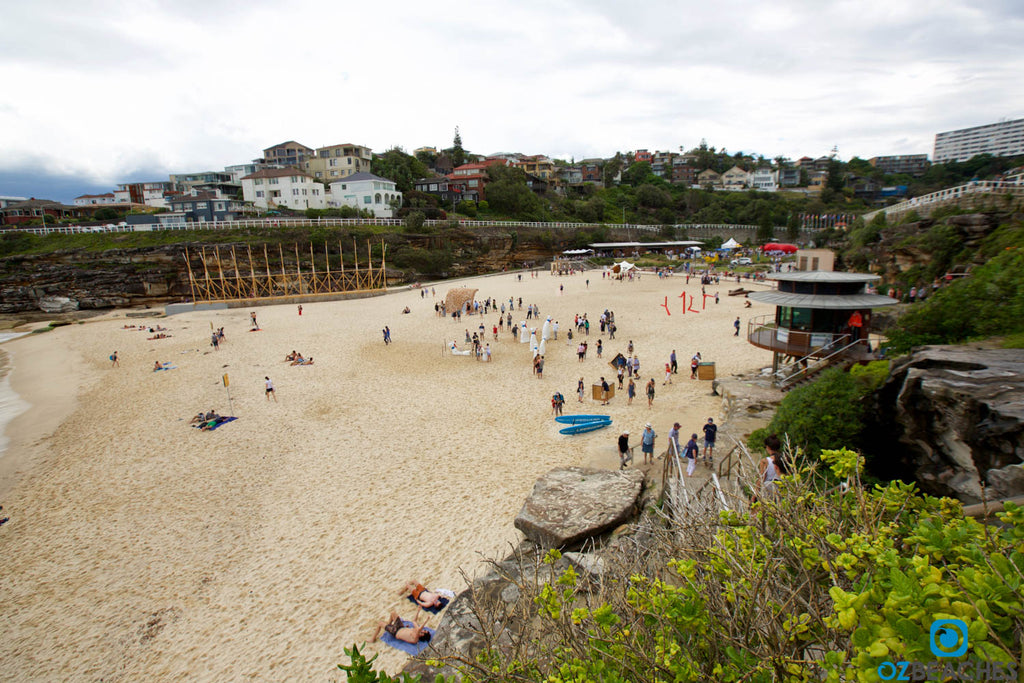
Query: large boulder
570, 505
956, 415
57, 304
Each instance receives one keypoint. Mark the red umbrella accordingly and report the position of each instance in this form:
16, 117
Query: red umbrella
784, 248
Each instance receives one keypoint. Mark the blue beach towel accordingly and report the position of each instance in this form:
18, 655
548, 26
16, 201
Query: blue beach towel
432, 610
167, 367
220, 421
407, 648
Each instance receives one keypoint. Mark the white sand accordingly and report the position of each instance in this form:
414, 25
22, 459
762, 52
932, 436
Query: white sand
140, 548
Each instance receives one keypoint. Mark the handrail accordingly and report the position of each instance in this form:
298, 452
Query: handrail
816, 353
823, 362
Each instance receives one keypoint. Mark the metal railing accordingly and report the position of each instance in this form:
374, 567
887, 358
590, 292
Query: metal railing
274, 222
819, 363
948, 195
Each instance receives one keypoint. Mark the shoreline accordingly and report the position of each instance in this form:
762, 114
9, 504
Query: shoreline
266, 547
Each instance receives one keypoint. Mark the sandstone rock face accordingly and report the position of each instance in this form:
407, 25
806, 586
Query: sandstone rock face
57, 304
958, 414
570, 505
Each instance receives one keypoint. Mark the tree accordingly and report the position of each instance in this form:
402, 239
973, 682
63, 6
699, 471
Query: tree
397, 166
638, 172
793, 227
611, 169
458, 154
508, 194
765, 228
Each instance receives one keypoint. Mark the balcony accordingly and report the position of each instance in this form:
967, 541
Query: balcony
763, 333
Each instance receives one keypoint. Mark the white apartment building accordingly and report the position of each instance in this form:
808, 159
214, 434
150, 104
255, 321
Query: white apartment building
288, 187
338, 161
366, 191
95, 199
764, 179
1003, 139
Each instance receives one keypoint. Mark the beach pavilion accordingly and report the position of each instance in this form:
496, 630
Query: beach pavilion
820, 317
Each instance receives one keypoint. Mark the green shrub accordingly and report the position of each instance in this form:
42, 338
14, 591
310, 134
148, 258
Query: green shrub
821, 583
825, 412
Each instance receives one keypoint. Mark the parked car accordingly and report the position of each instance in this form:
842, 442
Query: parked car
741, 261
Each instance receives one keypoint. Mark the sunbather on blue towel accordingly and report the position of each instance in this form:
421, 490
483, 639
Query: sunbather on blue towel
403, 631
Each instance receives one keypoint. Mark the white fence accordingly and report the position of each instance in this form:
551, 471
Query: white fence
356, 222
950, 194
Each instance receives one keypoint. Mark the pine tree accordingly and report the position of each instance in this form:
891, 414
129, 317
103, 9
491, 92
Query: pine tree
458, 154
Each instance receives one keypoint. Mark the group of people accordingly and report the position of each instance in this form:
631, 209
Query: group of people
296, 358
412, 631
690, 451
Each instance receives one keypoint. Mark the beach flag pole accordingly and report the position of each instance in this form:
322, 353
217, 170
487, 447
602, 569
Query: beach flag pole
227, 388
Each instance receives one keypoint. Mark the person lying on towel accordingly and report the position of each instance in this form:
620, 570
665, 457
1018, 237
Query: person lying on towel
423, 597
399, 631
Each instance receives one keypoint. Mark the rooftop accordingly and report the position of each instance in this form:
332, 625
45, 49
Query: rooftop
823, 301
823, 276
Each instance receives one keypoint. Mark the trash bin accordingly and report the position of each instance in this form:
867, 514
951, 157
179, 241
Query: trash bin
705, 371
596, 391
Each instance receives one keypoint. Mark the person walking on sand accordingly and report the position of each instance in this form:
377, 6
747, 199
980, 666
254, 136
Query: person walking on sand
673, 363
387, 335
690, 451
604, 391
630, 391
694, 364
647, 438
580, 390
668, 374
710, 433
269, 389
673, 436
736, 324
557, 401
114, 362
650, 393
252, 317
624, 456
300, 309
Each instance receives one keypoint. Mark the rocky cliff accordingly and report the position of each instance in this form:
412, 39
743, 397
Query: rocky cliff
952, 419
76, 279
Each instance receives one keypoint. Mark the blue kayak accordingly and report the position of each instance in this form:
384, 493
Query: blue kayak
579, 419
585, 427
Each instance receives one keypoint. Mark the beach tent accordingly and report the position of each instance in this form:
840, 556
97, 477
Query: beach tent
778, 246
731, 244
456, 298
623, 267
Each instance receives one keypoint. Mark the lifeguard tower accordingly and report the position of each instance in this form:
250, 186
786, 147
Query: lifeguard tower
821, 318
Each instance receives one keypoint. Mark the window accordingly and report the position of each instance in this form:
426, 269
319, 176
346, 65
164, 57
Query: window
473, 183
200, 205
332, 162
219, 206
294, 179
303, 190
295, 192
334, 174
258, 181
344, 186
274, 194
350, 161
316, 193
376, 198
259, 193
274, 181
367, 199
319, 174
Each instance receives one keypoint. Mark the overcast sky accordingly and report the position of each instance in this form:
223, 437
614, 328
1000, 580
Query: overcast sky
96, 93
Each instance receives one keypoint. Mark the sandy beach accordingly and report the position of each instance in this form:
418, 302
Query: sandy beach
140, 548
